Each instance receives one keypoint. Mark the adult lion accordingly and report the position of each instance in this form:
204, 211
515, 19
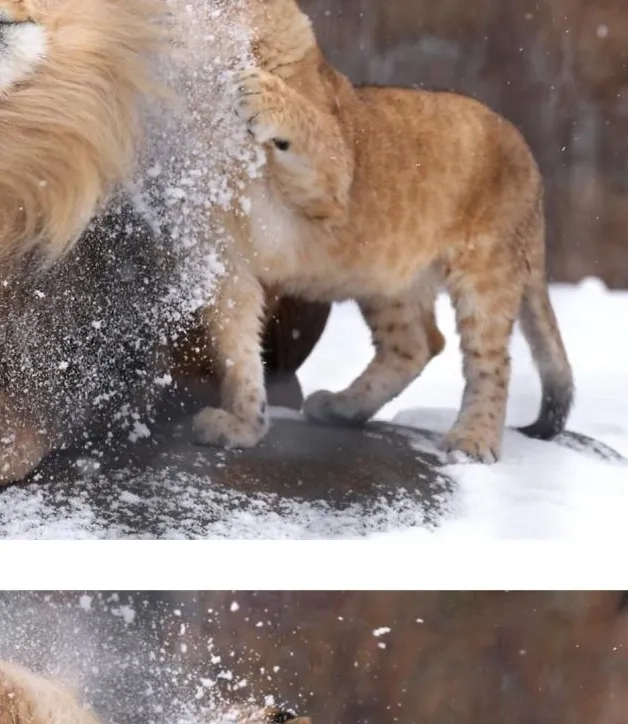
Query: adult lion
72, 73
81, 337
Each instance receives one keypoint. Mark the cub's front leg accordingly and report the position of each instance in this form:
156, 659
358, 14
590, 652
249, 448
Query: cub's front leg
234, 327
309, 160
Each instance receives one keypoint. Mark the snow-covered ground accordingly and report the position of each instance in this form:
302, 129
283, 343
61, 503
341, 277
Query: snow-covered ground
538, 489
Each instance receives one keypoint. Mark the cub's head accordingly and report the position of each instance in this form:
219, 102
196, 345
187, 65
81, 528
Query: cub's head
74, 76
282, 32
22, 44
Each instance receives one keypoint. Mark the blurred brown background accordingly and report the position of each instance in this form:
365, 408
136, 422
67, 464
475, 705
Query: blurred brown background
449, 658
557, 68
440, 657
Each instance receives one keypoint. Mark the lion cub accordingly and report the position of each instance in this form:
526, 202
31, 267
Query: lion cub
383, 195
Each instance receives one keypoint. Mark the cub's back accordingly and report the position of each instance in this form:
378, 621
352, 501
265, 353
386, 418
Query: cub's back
444, 154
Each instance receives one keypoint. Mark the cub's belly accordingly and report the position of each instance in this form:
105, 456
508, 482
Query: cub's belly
327, 282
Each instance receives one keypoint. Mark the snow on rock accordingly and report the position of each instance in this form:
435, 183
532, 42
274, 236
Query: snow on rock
176, 505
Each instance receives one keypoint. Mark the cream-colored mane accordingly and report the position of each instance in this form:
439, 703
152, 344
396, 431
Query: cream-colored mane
73, 74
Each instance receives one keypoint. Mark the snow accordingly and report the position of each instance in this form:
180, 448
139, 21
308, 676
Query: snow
537, 490
381, 631
125, 655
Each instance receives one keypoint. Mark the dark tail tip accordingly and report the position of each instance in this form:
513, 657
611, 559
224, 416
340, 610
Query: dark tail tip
555, 407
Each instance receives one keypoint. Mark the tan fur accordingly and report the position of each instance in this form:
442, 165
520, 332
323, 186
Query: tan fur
382, 195
29, 699
69, 128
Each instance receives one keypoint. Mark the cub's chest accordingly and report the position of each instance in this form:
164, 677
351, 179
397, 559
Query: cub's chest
281, 242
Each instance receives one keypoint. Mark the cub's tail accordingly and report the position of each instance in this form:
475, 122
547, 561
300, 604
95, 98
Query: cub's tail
540, 329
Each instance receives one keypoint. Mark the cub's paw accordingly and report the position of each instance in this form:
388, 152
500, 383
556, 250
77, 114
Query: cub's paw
331, 407
260, 104
217, 427
465, 444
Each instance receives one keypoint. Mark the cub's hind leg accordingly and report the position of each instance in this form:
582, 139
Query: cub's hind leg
486, 298
234, 325
405, 337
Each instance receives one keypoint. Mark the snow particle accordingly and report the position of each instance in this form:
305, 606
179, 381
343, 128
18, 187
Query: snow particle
126, 613
85, 602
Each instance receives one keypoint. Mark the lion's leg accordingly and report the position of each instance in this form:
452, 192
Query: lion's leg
486, 298
309, 160
235, 326
406, 338
23, 443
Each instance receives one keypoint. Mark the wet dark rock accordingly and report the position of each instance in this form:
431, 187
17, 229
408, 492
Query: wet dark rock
303, 480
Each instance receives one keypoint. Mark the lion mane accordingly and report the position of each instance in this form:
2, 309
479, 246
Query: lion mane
73, 75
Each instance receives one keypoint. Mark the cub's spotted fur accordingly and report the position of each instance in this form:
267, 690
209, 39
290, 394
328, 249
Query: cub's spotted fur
383, 195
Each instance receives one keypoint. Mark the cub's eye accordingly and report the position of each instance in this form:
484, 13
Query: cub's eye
281, 144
